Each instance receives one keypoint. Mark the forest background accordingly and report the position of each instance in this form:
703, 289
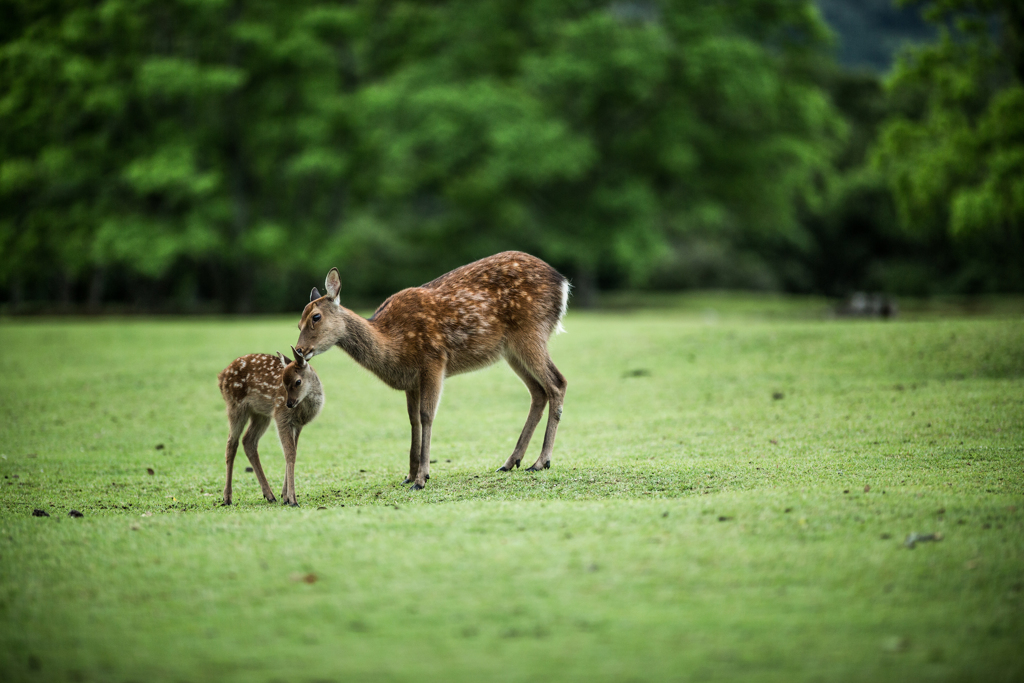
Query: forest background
217, 155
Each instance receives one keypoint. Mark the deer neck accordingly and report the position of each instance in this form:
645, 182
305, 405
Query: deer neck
364, 343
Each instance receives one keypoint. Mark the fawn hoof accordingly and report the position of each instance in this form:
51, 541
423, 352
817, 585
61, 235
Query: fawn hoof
417, 487
407, 480
225, 503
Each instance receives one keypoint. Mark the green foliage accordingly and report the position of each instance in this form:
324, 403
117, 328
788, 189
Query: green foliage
399, 139
955, 157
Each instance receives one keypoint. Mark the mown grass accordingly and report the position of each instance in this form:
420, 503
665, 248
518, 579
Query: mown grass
729, 500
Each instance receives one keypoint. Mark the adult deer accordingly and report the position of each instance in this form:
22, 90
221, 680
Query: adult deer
504, 306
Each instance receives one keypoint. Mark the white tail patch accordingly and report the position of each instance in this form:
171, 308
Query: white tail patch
566, 286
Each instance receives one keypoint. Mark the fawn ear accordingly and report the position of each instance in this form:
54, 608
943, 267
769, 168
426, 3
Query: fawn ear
285, 360
333, 285
300, 360
314, 295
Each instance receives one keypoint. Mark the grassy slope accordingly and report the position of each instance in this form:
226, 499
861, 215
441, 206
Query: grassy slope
692, 526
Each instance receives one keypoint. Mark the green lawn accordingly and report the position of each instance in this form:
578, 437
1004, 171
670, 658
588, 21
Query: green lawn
729, 499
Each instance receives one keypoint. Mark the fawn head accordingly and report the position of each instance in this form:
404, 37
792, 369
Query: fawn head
295, 377
322, 323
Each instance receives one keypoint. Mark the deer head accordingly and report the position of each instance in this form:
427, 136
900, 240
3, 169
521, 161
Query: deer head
322, 323
295, 377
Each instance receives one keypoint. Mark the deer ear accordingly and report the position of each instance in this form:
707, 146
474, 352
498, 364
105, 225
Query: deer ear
285, 360
314, 295
333, 285
300, 360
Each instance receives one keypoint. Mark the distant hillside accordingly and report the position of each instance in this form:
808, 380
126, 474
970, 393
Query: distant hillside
869, 33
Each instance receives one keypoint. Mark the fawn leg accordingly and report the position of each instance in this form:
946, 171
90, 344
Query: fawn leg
251, 439
236, 423
289, 442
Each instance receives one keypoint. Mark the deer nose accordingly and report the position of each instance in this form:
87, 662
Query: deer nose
298, 350
291, 403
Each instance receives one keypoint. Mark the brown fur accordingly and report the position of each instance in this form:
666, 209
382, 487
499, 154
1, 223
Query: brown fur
256, 388
506, 305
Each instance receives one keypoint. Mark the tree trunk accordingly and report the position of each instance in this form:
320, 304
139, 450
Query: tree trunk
584, 288
96, 289
64, 290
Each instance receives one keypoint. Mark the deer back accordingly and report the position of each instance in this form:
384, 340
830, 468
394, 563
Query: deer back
465, 319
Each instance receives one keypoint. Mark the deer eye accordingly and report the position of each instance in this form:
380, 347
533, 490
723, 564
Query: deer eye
298, 382
316, 317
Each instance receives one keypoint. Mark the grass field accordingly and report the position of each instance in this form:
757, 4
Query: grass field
729, 499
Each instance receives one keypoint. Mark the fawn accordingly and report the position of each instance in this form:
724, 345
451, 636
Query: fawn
506, 305
257, 387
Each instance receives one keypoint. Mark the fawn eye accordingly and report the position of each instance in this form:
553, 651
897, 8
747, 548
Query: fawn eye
316, 317
298, 382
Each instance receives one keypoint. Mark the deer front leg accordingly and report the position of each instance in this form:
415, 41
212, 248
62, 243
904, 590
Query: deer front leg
430, 397
289, 439
412, 399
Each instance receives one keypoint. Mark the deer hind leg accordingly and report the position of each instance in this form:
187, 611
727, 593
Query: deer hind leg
236, 423
412, 399
554, 385
249, 442
431, 383
538, 399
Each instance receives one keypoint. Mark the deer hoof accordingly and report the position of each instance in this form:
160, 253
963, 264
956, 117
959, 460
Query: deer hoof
503, 469
407, 480
534, 468
416, 487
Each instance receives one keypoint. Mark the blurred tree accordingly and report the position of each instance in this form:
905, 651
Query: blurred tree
595, 135
139, 134
255, 143
954, 154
